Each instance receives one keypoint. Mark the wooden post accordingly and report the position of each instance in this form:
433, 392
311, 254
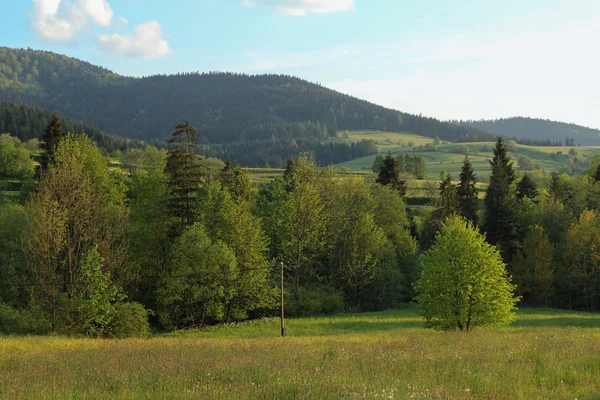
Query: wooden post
282, 314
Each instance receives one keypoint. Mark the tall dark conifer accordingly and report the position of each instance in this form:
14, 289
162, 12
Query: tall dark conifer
184, 174
501, 203
447, 204
389, 174
52, 136
526, 188
467, 193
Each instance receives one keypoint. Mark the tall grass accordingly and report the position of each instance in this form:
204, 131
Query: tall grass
546, 354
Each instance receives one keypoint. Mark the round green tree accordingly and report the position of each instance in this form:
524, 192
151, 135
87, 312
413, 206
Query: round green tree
464, 283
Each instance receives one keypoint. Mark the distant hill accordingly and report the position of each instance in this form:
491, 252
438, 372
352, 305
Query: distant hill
27, 122
272, 115
537, 129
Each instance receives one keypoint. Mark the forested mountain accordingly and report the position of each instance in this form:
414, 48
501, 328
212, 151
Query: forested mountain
27, 122
537, 129
263, 111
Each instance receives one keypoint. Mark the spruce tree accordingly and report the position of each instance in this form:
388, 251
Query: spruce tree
526, 188
52, 136
467, 193
447, 204
500, 203
184, 174
389, 175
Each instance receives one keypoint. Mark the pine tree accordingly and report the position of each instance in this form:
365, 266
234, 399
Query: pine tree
52, 136
447, 203
467, 193
526, 188
389, 175
184, 174
500, 203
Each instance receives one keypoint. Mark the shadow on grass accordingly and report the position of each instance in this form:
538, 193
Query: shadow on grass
532, 317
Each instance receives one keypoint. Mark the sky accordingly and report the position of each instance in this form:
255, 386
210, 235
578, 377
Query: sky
460, 59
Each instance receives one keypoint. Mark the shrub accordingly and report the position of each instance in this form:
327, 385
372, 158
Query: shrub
314, 300
22, 322
130, 320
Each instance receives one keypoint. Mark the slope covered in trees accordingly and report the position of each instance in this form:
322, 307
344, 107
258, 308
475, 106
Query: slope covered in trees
224, 108
538, 130
26, 122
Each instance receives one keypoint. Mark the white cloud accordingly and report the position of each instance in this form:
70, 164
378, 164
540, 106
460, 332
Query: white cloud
62, 20
303, 7
146, 41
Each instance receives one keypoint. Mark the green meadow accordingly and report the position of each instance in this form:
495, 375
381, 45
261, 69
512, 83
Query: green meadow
447, 156
545, 354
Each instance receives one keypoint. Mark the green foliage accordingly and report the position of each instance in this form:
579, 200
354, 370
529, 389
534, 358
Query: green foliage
22, 322
314, 300
52, 136
526, 188
467, 193
201, 281
129, 320
538, 130
388, 174
96, 298
500, 203
377, 164
15, 160
183, 171
234, 224
446, 203
581, 262
75, 208
533, 270
29, 123
358, 246
464, 283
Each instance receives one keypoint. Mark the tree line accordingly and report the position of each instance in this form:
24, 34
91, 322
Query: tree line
174, 240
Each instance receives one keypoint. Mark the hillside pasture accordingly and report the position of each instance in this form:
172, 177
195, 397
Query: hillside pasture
544, 354
448, 157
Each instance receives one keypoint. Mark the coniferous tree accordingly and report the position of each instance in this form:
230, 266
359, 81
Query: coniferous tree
467, 193
389, 175
500, 203
377, 163
597, 174
52, 136
526, 188
184, 174
447, 203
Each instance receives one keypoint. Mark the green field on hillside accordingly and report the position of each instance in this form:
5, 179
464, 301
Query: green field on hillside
545, 354
447, 156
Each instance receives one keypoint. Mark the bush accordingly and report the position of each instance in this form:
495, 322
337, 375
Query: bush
130, 320
464, 149
315, 300
22, 322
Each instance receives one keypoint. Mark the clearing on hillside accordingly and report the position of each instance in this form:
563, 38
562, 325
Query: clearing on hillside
449, 156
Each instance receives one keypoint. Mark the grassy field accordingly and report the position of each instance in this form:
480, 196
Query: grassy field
546, 354
447, 157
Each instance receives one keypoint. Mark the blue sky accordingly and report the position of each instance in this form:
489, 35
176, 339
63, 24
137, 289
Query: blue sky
448, 59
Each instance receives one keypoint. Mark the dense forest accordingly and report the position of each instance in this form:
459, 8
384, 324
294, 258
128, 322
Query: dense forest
171, 240
538, 132
26, 123
229, 110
